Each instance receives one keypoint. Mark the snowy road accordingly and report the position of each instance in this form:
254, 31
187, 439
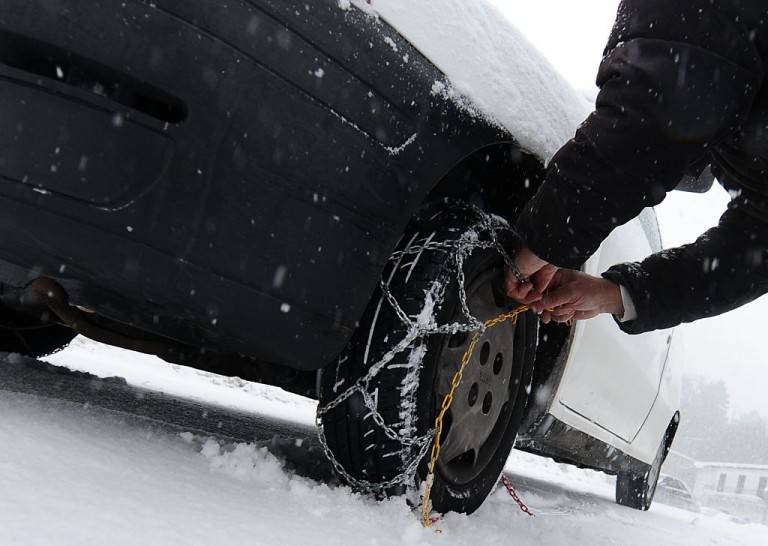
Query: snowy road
93, 462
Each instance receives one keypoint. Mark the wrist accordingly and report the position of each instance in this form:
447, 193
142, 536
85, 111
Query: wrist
614, 304
528, 263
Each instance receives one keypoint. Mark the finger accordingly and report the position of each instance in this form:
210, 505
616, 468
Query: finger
561, 312
559, 296
527, 262
532, 297
510, 282
522, 292
543, 278
564, 318
585, 315
546, 316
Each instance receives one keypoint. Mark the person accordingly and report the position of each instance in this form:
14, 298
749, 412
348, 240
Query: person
681, 87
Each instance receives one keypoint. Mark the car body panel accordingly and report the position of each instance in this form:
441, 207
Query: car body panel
606, 422
613, 378
616, 387
309, 168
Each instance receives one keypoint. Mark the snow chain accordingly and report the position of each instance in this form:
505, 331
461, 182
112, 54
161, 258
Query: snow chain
484, 234
426, 519
512, 493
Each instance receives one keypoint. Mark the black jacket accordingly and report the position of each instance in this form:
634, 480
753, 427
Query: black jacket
681, 86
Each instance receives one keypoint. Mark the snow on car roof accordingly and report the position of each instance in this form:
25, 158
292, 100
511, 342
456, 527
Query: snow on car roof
487, 60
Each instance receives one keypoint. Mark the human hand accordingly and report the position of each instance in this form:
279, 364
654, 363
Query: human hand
574, 295
538, 272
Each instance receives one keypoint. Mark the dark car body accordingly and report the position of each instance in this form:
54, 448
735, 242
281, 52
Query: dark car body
231, 176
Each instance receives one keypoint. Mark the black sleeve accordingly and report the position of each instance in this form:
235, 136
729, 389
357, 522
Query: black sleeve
724, 269
677, 78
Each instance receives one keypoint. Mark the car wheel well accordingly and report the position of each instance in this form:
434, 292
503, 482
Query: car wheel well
500, 178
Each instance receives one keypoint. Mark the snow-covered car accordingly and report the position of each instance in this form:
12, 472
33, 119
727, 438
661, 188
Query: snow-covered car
272, 188
673, 492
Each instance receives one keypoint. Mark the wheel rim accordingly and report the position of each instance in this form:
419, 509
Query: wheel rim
484, 400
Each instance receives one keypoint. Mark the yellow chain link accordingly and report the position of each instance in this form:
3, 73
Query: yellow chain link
448, 400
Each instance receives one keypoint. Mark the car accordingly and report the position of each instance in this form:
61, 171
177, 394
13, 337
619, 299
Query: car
319, 196
673, 492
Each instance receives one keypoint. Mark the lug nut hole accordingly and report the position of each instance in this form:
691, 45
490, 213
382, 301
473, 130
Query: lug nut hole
487, 401
485, 352
473, 394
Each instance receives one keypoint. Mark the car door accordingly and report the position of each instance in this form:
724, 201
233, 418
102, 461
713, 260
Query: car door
612, 378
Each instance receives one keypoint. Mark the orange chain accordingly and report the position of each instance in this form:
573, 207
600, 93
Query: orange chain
426, 520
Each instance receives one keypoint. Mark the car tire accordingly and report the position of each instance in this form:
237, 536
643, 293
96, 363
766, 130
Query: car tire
34, 337
637, 490
409, 389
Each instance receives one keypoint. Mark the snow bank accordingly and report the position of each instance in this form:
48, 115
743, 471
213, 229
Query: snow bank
152, 373
489, 61
75, 474
78, 475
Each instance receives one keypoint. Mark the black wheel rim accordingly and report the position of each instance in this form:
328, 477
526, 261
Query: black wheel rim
484, 401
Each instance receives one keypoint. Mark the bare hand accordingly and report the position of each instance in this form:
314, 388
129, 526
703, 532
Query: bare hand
538, 272
574, 295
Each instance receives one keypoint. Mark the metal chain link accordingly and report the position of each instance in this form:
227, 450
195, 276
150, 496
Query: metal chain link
512, 493
507, 484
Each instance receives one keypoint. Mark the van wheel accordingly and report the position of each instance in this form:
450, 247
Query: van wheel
378, 402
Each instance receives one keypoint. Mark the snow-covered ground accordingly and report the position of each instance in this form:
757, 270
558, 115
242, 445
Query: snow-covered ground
75, 474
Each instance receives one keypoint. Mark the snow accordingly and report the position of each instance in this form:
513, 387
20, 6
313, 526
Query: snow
731, 465
152, 373
397, 150
76, 474
491, 67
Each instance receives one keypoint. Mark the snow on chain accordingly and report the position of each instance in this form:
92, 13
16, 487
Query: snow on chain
484, 234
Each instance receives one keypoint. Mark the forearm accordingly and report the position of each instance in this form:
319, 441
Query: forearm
647, 128
583, 199
724, 269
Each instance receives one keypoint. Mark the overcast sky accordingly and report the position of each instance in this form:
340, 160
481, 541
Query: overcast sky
572, 34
